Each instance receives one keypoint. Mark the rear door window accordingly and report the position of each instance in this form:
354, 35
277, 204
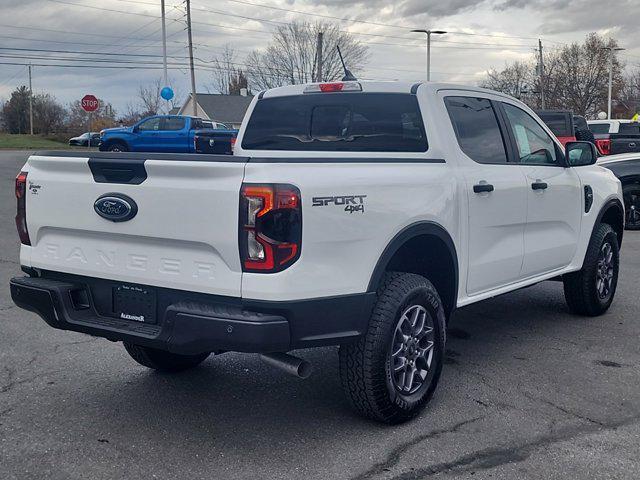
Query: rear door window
477, 129
173, 123
345, 122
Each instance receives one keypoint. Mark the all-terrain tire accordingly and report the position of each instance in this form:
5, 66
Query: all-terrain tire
581, 288
162, 360
365, 366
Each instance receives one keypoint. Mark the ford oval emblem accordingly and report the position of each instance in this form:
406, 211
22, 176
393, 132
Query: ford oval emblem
116, 207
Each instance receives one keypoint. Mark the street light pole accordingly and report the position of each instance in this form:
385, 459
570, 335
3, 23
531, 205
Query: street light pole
611, 50
191, 67
429, 33
30, 103
164, 43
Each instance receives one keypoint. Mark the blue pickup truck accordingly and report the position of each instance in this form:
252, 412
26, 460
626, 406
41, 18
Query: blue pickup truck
168, 133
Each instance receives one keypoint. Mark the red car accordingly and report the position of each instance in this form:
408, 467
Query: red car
560, 122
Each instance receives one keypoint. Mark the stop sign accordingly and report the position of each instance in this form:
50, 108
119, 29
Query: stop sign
89, 103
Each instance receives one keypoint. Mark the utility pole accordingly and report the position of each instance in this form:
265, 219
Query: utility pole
541, 67
611, 51
164, 43
30, 103
319, 59
429, 33
193, 71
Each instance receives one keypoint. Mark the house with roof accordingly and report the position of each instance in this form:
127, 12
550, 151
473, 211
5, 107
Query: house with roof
229, 109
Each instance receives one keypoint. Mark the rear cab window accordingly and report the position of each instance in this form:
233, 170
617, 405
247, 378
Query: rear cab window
599, 128
560, 123
629, 129
337, 122
173, 123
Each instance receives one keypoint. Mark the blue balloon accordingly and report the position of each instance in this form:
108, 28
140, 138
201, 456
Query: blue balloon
166, 93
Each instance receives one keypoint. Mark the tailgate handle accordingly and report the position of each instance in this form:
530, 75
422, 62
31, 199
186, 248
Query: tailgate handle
118, 170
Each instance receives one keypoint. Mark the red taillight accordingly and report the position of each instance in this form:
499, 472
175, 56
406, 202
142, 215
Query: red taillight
270, 227
233, 143
331, 87
604, 146
21, 210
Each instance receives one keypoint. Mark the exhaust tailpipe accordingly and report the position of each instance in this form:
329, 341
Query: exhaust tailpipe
290, 364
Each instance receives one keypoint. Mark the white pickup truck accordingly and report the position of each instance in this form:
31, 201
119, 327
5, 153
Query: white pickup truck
359, 214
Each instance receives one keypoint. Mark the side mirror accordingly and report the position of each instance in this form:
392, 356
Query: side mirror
134, 129
579, 154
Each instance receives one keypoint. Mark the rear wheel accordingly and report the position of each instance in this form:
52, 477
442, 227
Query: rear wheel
590, 291
162, 360
631, 194
391, 373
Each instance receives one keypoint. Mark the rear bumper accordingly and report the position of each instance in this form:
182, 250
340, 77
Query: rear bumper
190, 323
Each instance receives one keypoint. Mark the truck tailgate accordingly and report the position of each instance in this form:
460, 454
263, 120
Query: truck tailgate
184, 235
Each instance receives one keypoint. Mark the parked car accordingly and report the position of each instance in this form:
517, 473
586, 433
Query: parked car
561, 124
343, 218
88, 139
616, 136
626, 166
159, 133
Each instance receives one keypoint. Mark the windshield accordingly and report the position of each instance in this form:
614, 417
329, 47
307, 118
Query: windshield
346, 122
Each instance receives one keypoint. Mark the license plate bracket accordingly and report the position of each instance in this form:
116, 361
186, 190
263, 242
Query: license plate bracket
134, 302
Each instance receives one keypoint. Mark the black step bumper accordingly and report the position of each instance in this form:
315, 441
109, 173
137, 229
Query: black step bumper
190, 323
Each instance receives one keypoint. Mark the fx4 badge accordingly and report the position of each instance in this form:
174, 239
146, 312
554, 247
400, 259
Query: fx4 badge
352, 203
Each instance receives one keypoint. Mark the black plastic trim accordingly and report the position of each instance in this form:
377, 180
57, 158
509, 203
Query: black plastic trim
261, 94
118, 170
345, 160
130, 156
613, 203
414, 88
191, 323
588, 198
409, 232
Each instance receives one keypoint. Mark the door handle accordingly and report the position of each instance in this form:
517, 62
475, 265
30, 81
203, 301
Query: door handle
539, 185
483, 187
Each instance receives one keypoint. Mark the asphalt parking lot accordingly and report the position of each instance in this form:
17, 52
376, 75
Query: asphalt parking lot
528, 391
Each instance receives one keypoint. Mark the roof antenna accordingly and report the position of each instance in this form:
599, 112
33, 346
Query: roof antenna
348, 76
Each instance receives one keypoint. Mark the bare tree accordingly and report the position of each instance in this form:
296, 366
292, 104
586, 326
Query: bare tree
151, 103
77, 120
149, 97
48, 114
291, 56
629, 97
515, 80
225, 69
576, 77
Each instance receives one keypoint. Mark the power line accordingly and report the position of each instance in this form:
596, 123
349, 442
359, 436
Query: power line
66, 32
366, 22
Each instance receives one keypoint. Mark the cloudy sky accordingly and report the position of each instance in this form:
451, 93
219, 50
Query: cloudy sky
483, 34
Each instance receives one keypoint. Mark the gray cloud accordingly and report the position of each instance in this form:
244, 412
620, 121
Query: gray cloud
391, 58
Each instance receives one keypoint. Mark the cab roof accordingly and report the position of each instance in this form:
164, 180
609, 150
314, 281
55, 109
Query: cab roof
371, 86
